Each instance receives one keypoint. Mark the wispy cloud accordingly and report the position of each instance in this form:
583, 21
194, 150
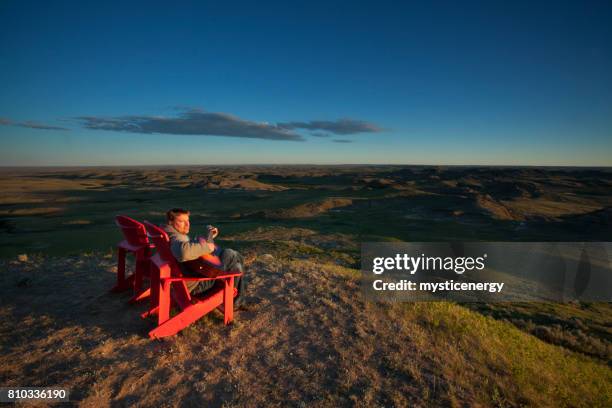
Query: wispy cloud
191, 122
35, 125
338, 127
30, 124
319, 134
342, 141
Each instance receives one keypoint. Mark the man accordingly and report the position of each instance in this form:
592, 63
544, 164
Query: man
191, 253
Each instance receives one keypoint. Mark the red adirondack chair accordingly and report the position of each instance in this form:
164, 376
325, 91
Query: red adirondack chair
170, 289
137, 243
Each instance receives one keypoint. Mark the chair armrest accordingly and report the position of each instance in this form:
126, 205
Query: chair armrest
189, 278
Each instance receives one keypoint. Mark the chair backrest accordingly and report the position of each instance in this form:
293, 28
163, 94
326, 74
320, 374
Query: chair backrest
133, 231
161, 241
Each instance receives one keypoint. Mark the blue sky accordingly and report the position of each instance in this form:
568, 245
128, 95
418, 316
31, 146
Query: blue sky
111, 83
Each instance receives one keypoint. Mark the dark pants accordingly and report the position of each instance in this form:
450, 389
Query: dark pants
232, 261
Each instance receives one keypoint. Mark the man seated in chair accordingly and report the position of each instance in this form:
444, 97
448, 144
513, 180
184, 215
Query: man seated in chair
193, 253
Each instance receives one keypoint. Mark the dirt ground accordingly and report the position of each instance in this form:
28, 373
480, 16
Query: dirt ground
306, 338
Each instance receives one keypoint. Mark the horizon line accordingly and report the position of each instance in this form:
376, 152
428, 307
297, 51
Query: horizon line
51, 166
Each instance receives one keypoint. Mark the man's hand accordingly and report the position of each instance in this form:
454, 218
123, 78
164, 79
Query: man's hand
212, 230
211, 247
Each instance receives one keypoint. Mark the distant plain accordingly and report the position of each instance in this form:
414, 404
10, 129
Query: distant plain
59, 211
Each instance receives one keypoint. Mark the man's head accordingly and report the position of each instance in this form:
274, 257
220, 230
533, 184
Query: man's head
178, 218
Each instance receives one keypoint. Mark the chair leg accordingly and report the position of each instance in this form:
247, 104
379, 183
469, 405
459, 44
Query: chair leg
164, 302
138, 273
228, 300
221, 307
142, 266
154, 300
121, 282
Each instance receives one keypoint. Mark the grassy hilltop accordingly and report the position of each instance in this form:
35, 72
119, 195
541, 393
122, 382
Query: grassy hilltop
308, 338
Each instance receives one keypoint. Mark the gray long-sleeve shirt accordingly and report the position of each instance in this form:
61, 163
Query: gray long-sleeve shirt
183, 248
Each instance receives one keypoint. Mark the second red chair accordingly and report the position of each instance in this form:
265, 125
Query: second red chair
135, 242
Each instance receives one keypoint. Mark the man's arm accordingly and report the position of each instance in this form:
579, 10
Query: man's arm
188, 250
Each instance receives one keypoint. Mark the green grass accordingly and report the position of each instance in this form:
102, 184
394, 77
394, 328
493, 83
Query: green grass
503, 365
581, 327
